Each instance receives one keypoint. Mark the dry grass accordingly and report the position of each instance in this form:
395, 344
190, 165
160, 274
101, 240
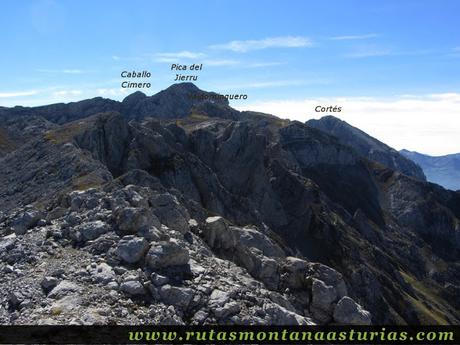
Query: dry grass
91, 180
428, 303
65, 133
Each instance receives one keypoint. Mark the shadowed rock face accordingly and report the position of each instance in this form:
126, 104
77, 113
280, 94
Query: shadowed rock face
237, 196
367, 146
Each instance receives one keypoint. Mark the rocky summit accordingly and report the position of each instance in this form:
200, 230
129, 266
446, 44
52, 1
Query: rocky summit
175, 209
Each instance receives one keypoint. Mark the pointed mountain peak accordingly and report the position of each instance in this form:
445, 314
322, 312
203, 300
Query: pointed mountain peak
135, 96
367, 146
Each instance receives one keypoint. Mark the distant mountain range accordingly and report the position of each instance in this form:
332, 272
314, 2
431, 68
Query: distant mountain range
443, 170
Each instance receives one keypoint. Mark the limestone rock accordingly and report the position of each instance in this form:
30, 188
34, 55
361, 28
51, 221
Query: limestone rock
295, 272
348, 312
103, 273
227, 310
281, 316
170, 212
176, 296
25, 221
133, 288
63, 289
90, 230
48, 283
218, 235
323, 296
167, 253
329, 276
131, 249
132, 219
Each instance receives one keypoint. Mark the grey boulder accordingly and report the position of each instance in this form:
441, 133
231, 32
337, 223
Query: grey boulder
347, 311
167, 253
176, 296
329, 276
131, 249
218, 235
133, 288
25, 221
48, 283
132, 219
170, 212
90, 230
63, 289
322, 295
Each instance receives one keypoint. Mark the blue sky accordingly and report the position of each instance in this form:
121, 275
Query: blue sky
273, 51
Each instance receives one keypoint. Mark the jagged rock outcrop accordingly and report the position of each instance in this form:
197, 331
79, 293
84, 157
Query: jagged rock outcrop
17, 131
176, 274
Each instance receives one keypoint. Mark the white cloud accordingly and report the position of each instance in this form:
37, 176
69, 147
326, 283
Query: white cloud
112, 92
265, 64
455, 53
177, 56
271, 42
372, 52
270, 84
64, 71
74, 71
217, 62
265, 84
67, 93
126, 58
353, 37
17, 94
364, 53
428, 124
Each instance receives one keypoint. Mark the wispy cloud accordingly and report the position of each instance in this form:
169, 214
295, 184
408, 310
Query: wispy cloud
375, 52
265, 64
365, 53
267, 84
125, 58
112, 92
455, 52
195, 56
353, 37
177, 56
223, 62
17, 94
271, 42
270, 84
67, 93
64, 71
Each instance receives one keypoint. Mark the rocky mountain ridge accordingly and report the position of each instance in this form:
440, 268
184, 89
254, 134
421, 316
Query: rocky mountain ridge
367, 146
177, 215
